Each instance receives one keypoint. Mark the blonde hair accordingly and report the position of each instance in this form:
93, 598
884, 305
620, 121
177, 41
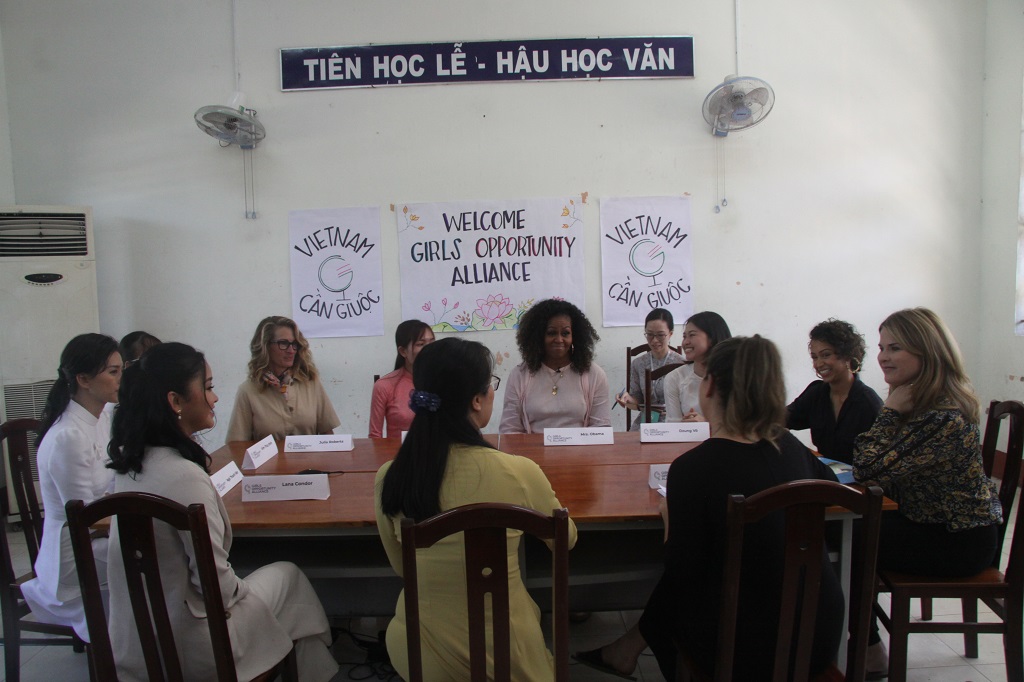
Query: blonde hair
259, 363
942, 383
747, 372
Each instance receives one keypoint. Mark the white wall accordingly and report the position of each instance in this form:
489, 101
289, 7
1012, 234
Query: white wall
6, 164
1001, 371
860, 194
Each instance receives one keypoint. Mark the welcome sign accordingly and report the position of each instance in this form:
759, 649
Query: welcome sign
479, 265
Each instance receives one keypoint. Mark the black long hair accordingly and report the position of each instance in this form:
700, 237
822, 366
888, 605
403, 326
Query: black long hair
408, 332
84, 354
455, 371
144, 418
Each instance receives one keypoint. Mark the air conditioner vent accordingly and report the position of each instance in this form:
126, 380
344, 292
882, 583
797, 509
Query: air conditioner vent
24, 234
26, 401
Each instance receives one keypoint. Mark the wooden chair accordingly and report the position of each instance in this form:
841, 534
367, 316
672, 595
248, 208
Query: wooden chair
650, 376
1001, 592
484, 526
15, 612
630, 354
804, 504
135, 514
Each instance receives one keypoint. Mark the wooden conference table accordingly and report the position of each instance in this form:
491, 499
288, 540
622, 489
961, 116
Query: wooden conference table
614, 566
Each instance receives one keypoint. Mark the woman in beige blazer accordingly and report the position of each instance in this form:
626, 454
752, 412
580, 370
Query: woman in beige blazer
283, 395
167, 396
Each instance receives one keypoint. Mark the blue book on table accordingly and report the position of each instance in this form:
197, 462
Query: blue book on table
842, 470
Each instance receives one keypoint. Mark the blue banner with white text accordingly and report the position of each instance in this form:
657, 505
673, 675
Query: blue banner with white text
361, 66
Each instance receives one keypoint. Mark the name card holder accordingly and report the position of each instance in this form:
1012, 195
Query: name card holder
675, 432
275, 488
599, 435
227, 478
260, 453
658, 478
341, 442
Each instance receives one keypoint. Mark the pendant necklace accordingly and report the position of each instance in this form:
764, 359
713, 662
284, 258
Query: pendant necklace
554, 387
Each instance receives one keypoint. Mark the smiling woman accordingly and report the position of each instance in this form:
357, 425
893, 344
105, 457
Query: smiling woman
839, 406
924, 450
558, 384
658, 328
283, 395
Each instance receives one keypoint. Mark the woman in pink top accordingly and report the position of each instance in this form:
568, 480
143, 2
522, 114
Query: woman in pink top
390, 401
558, 384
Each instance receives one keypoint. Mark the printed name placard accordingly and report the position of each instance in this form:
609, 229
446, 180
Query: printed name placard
600, 435
675, 432
259, 453
658, 477
226, 479
333, 443
301, 487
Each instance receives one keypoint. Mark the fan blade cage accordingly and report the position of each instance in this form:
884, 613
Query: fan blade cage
738, 103
231, 125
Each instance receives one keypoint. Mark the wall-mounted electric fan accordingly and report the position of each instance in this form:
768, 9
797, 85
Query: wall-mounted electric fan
234, 124
739, 102
231, 125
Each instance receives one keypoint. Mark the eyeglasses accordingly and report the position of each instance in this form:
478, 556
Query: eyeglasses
285, 345
660, 336
495, 382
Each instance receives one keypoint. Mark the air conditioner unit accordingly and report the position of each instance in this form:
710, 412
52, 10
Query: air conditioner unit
48, 285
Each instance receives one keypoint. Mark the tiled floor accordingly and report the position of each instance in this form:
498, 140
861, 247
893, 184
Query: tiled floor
933, 658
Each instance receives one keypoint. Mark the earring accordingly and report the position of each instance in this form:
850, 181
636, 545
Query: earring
179, 415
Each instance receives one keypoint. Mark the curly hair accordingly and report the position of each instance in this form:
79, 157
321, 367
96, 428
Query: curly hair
844, 338
533, 327
303, 369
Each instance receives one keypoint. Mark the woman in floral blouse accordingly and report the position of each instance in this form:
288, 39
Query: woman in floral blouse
924, 450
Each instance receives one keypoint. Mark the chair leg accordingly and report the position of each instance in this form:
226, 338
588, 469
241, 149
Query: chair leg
926, 608
12, 650
970, 611
899, 614
1013, 641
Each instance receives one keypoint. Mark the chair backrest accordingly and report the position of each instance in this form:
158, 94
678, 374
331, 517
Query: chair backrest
804, 504
650, 376
134, 514
484, 527
632, 353
1014, 452
376, 378
16, 433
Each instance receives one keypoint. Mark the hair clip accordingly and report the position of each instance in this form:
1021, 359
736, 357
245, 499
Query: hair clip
424, 401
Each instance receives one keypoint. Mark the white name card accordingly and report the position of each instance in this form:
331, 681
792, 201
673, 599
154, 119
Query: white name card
658, 477
268, 488
226, 479
333, 443
598, 435
675, 432
260, 453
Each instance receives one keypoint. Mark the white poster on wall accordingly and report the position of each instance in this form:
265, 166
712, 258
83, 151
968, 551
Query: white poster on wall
478, 265
646, 259
337, 280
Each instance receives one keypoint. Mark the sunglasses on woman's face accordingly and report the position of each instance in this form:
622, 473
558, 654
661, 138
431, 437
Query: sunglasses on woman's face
285, 345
